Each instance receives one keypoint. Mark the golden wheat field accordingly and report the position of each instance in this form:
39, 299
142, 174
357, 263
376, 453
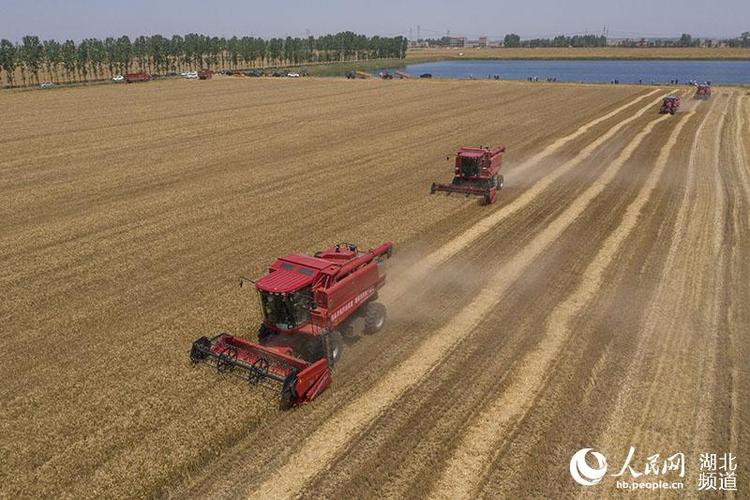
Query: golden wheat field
602, 301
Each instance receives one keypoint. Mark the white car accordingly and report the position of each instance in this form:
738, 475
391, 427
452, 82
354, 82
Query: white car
293, 75
118, 78
46, 85
193, 75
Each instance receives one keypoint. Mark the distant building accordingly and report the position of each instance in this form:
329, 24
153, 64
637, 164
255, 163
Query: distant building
482, 42
457, 41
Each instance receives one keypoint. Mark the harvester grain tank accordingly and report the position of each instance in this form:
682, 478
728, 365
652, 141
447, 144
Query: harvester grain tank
476, 172
670, 104
308, 304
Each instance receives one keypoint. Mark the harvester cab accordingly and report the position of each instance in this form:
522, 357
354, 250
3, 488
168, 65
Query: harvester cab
476, 172
670, 104
308, 304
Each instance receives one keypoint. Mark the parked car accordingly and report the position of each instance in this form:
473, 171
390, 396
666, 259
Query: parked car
141, 76
46, 85
293, 75
118, 78
192, 75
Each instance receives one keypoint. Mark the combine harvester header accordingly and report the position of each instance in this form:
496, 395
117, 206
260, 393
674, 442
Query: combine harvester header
307, 303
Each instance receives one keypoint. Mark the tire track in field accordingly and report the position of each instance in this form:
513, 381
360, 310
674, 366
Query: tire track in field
465, 239
325, 443
468, 463
679, 291
556, 145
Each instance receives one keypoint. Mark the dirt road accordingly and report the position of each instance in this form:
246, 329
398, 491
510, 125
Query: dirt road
602, 302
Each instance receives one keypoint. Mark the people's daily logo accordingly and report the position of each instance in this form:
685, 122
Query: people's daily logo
582, 472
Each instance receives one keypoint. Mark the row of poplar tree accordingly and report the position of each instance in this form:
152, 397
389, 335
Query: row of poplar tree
33, 59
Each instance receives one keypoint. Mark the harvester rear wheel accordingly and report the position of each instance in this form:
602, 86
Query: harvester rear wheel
375, 313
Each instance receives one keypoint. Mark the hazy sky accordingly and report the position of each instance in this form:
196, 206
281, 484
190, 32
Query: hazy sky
77, 19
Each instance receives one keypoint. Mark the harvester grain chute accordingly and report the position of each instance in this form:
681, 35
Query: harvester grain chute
308, 304
476, 172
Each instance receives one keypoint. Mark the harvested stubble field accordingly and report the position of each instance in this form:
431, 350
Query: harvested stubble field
603, 301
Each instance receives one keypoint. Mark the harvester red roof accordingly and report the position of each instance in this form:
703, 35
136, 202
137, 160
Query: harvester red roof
307, 261
471, 153
284, 281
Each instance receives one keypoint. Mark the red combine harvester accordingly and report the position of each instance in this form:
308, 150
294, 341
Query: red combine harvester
670, 104
476, 173
307, 303
137, 77
703, 92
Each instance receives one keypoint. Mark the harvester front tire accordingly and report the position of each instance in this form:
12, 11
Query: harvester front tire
335, 347
375, 313
500, 182
288, 392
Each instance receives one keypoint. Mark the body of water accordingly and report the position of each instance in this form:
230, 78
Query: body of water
594, 71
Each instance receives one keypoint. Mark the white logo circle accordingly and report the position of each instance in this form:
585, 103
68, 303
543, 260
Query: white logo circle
584, 474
